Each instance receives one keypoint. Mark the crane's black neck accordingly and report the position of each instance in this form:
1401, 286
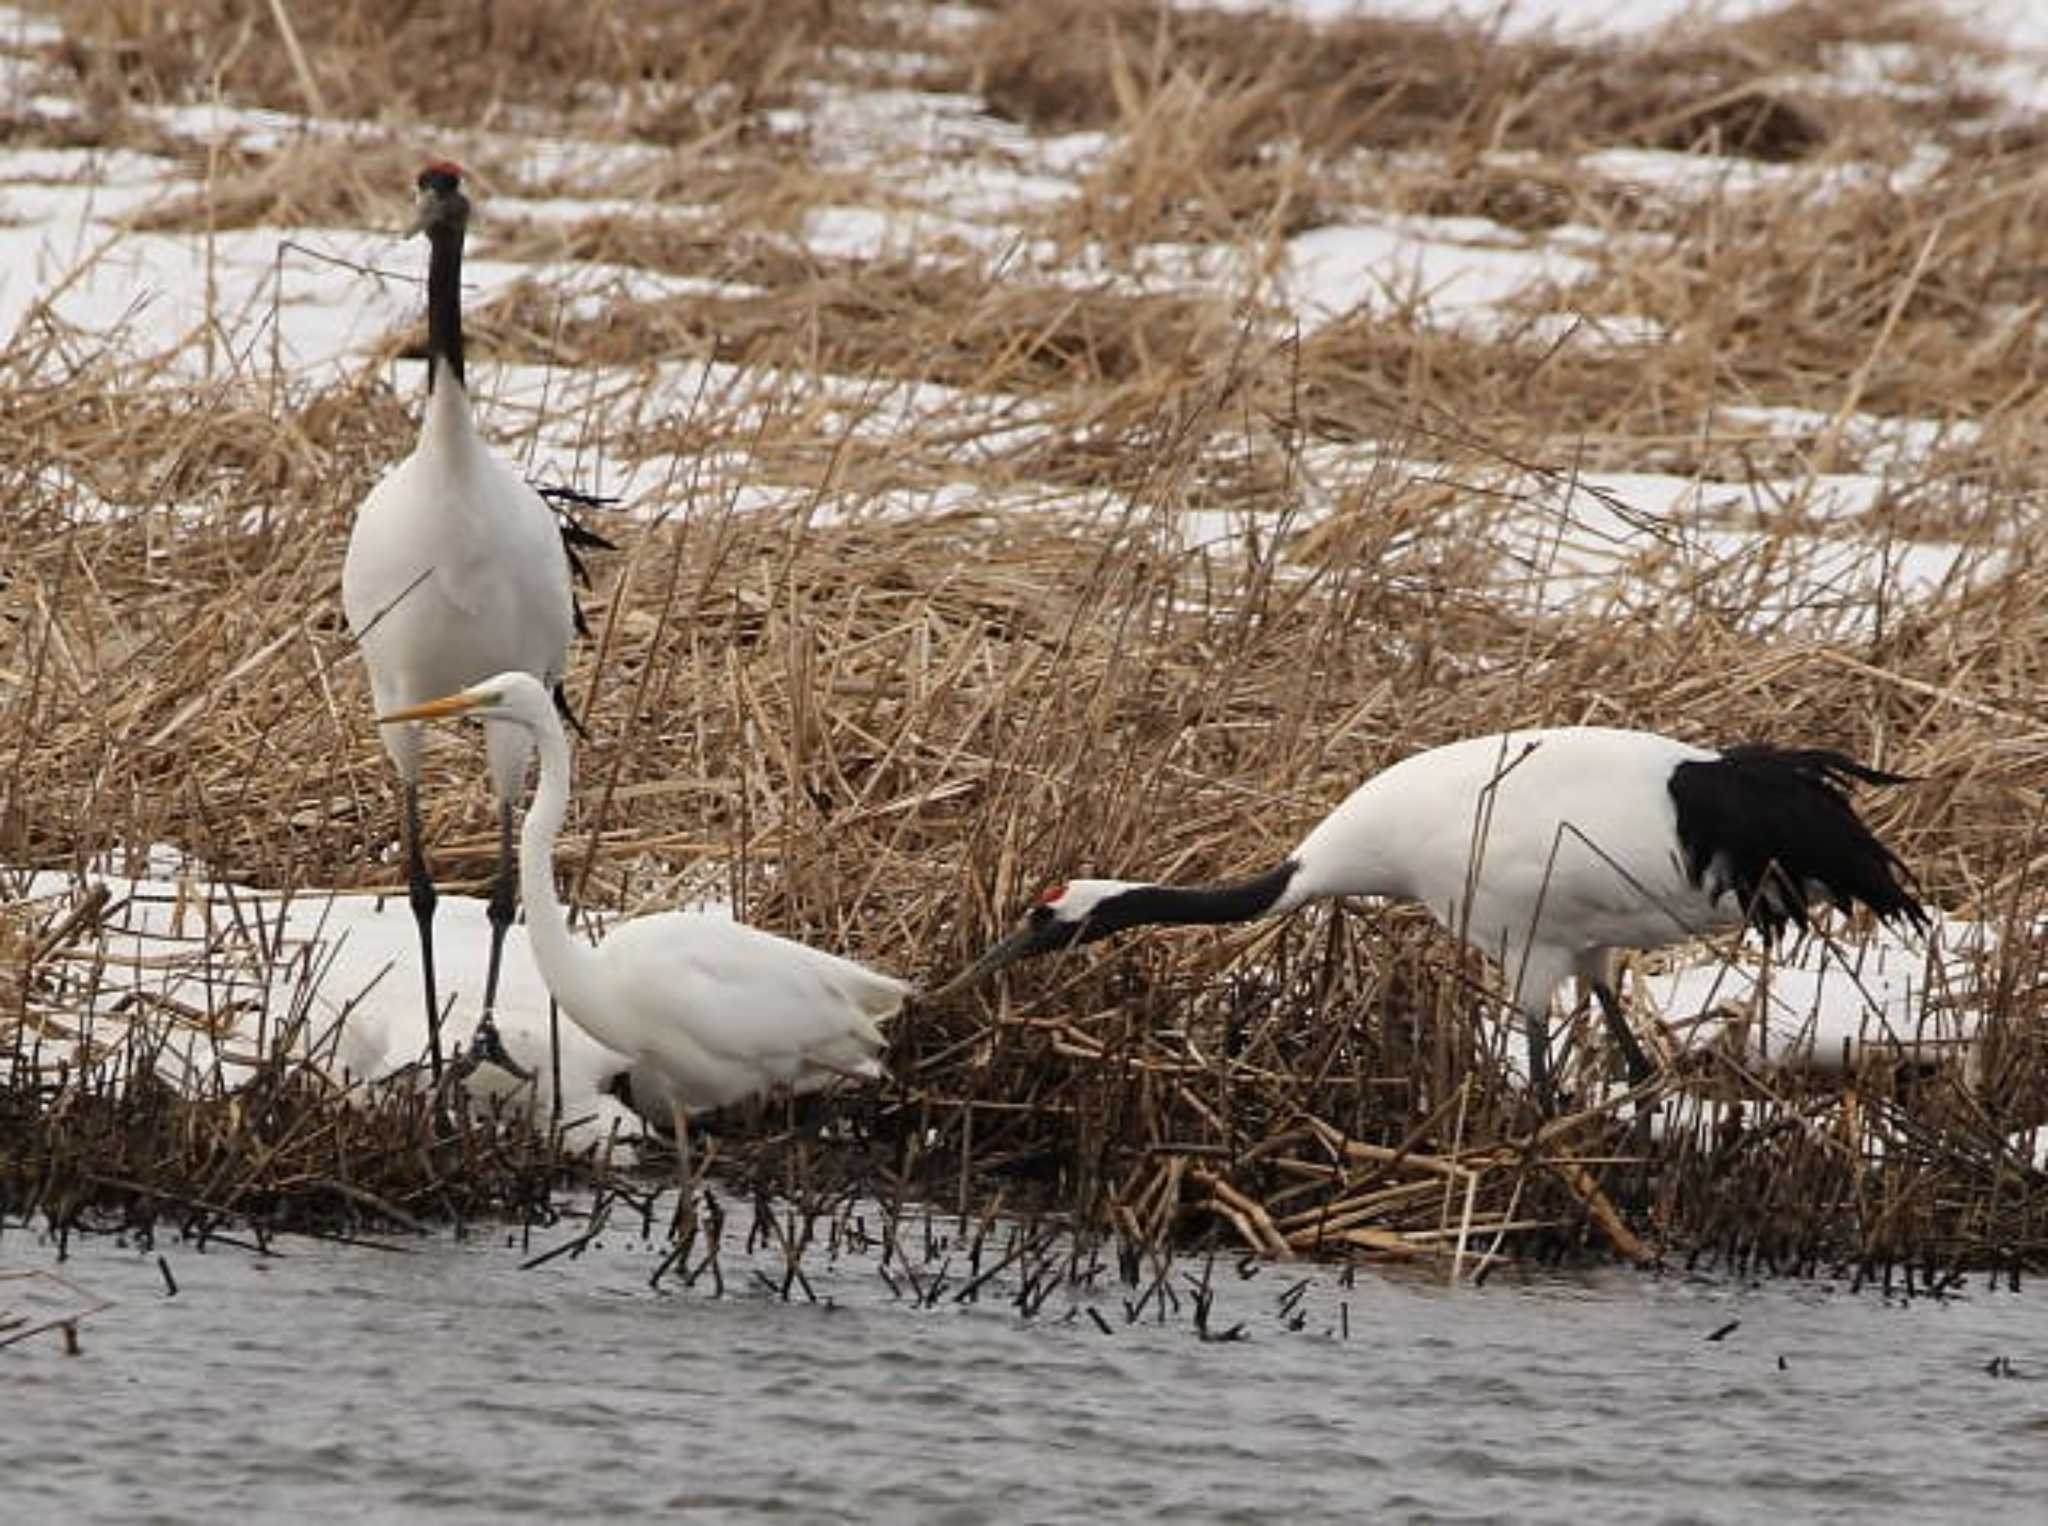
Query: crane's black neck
444, 301
1219, 901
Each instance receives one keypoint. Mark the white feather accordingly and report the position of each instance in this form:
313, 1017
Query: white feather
722, 1011
1546, 849
713, 1010
455, 571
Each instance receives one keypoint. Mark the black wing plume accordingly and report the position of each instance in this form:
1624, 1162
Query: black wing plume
577, 538
1774, 826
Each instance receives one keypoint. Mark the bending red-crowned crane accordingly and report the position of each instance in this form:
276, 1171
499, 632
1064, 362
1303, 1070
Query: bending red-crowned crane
709, 1009
1550, 851
455, 570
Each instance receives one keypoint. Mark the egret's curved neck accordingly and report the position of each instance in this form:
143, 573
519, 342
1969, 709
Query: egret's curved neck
569, 967
444, 303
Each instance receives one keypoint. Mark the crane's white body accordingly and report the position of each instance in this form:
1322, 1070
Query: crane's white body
1549, 850
1546, 849
455, 572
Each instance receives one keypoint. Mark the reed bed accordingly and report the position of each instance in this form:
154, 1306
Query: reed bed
961, 575
141, 1096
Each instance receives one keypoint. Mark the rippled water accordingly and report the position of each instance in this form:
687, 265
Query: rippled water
347, 1383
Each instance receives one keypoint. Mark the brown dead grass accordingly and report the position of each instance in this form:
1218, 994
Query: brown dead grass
892, 730
307, 183
678, 73
876, 319
1376, 83
1870, 289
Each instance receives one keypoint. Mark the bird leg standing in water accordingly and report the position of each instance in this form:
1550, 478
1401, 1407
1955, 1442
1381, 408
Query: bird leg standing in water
1632, 1057
1536, 1032
686, 1205
1536, 1025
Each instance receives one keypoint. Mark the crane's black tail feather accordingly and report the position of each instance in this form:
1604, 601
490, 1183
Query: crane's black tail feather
577, 538
1773, 826
563, 709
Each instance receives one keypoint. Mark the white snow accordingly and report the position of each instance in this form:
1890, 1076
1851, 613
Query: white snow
205, 976
1457, 269
2018, 25
1822, 1006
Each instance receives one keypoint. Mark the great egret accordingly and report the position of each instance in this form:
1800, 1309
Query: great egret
705, 1009
1549, 850
455, 570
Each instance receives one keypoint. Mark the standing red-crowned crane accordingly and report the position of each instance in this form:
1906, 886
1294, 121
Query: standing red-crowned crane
1550, 851
706, 1010
455, 570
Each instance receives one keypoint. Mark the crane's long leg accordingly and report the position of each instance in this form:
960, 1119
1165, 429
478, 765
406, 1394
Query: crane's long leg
1632, 1056
504, 906
1536, 1023
1639, 1068
554, 1063
420, 891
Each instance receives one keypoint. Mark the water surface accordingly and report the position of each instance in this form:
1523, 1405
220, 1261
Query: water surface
444, 1382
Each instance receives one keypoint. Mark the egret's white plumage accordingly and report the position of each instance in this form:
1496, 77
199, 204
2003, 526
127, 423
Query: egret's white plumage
718, 1011
1549, 850
455, 570
707, 1009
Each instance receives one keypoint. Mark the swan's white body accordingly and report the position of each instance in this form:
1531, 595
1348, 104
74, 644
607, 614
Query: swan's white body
710, 1010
